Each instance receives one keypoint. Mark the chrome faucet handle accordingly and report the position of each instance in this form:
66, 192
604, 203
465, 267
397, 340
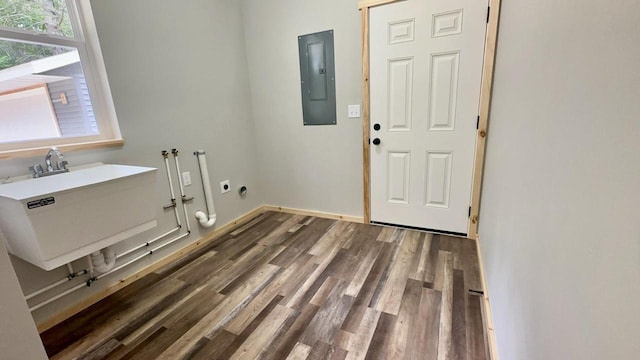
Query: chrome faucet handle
37, 170
62, 164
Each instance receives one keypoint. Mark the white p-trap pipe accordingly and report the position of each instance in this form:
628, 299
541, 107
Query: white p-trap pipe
103, 260
206, 219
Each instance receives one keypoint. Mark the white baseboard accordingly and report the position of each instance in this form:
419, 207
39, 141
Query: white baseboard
320, 214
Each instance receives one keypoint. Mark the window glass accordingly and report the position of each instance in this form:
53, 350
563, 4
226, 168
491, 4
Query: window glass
53, 85
26, 115
65, 92
14, 53
49, 17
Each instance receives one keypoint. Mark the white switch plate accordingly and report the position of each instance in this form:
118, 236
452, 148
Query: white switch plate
186, 178
353, 111
225, 186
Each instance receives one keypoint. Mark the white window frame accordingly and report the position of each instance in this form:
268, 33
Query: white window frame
86, 41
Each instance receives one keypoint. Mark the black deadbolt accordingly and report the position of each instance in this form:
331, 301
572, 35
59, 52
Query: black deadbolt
376, 127
376, 141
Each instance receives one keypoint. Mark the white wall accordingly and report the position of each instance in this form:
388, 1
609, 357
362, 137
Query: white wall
307, 167
178, 76
18, 338
559, 214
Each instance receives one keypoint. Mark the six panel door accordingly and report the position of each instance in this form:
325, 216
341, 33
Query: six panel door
425, 76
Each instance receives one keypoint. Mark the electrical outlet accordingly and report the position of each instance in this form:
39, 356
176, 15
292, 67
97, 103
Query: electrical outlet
186, 178
353, 111
225, 186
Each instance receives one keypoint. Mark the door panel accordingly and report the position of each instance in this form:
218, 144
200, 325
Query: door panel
438, 179
443, 91
401, 31
400, 94
447, 23
398, 175
425, 76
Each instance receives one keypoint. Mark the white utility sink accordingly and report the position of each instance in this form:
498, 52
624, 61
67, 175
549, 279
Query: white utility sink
53, 220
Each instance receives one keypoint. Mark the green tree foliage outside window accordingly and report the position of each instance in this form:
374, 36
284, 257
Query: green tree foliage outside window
39, 16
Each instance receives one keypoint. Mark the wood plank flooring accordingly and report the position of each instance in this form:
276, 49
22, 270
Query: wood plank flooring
293, 287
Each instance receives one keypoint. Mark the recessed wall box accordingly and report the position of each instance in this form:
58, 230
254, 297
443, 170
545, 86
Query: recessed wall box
317, 78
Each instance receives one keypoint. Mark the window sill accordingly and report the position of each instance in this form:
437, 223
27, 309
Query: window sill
42, 151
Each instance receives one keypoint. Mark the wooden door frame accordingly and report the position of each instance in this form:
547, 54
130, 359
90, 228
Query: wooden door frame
485, 102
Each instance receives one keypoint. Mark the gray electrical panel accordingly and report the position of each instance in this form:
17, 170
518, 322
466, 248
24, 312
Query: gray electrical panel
317, 78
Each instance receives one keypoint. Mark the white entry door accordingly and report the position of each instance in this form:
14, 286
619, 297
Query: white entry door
426, 61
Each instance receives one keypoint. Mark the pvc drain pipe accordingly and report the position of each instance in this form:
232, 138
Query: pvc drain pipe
205, 220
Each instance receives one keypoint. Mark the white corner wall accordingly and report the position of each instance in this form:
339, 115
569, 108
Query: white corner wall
18, 337
559, 215
306, 167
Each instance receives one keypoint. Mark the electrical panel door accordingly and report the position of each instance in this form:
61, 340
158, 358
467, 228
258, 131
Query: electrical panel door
317, 78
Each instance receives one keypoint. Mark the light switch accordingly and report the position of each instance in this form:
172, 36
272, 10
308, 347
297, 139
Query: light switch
353, 111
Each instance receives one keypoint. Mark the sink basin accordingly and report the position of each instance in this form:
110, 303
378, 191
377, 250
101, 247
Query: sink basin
53, 220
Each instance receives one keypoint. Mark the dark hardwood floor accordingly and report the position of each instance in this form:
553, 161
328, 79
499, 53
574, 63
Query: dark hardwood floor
293, 287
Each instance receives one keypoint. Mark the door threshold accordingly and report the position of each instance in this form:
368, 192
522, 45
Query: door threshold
435, 231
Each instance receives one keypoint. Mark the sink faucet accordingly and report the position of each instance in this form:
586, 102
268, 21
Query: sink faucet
57, 167
59, 164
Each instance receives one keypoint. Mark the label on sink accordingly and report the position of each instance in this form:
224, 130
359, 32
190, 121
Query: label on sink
41, 202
